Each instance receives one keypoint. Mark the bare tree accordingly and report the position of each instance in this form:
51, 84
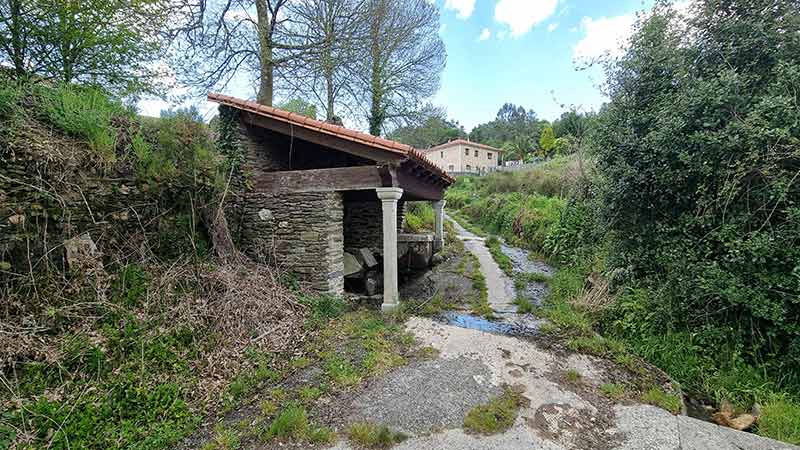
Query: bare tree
326, 76
403, 57
228, 37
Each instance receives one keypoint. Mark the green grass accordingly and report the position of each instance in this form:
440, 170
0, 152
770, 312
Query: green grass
494, 417
614, 391
224, 439
573, 376
780, 419
502, 260
657, 397
431, 307
524, 306
419, 217
292, 424
479, 304
309, 394
371, 436
85, 113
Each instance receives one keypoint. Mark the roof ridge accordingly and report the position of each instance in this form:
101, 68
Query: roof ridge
340, 131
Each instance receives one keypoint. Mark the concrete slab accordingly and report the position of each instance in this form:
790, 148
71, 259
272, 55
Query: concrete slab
427, 396
647, 428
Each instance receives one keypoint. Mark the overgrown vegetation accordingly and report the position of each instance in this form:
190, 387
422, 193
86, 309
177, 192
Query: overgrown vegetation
678, 239
122, 344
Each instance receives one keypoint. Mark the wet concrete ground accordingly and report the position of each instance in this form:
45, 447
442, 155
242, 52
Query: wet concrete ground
477, 357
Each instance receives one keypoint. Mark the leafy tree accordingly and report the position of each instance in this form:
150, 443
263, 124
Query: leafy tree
114, 44
431, 128
700, 152
514, 127
403, 58
547, 141
300, 106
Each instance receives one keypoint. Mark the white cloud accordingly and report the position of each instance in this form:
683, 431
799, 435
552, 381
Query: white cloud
522, 15
502, 35
552, 27
463, 7
485, 35
603, 36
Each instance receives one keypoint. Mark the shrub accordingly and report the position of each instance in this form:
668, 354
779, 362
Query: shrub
419, 217
700, 190
84, 112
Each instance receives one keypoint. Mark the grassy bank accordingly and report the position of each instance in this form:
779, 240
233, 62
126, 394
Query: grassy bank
598, 314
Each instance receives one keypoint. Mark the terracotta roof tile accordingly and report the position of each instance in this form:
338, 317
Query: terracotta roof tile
376, 142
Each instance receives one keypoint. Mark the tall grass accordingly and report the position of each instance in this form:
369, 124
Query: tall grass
419, 217
85, 113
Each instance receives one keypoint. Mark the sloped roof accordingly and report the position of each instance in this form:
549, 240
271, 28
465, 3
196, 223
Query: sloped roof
463, 142
298, 120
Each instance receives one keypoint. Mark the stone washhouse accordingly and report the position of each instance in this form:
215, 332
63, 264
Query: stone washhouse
320, 196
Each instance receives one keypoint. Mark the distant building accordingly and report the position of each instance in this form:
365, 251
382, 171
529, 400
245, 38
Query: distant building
461, 156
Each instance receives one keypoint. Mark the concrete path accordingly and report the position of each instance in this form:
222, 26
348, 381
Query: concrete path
428, 399
499, 285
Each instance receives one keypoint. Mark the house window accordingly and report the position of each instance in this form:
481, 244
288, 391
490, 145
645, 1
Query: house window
466, 151
451, 167
489, 155
441, 155
469, 167
476, 152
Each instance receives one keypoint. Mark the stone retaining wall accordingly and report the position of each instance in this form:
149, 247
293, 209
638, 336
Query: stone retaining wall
301, 233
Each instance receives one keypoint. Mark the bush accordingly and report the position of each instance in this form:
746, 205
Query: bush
700, 186
83, 112
419, 217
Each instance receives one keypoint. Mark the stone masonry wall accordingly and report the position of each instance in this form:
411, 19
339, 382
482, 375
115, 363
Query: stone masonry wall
363, 224
300, 233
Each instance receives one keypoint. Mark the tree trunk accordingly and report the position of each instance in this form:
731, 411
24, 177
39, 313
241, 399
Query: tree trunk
327, 62
330, 115
18, 56
265, 87
376, 114
217, 226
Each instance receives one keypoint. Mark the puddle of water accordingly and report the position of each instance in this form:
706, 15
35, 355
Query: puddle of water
471, 322
522, 261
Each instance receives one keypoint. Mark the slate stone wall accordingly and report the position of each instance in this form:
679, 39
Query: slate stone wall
300, 233
363, 225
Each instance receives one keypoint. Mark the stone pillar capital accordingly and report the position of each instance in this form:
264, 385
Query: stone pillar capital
389, 193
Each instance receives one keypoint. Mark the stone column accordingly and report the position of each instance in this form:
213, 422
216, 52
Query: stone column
391, 295
438, 221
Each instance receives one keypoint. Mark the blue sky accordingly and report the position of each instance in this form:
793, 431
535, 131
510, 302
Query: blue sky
526, 52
